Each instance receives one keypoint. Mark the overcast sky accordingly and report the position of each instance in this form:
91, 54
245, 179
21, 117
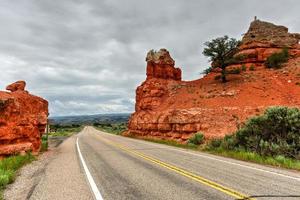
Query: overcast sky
88, 56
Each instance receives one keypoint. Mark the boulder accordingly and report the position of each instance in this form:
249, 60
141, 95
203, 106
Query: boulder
23, 119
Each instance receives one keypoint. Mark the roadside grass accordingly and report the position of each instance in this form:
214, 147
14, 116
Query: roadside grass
9, 167
278, 161
44, 146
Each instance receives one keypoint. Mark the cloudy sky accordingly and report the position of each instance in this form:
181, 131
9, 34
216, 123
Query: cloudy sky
88, 56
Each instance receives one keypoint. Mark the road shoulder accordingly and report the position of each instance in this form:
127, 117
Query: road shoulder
56, 174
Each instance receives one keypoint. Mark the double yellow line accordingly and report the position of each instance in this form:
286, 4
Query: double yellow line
183, 172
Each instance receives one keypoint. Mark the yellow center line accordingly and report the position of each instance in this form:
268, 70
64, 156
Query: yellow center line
183, 172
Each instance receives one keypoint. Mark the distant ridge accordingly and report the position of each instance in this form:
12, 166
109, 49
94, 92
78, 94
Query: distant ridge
90, 119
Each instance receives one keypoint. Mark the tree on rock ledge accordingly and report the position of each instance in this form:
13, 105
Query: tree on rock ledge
221, 52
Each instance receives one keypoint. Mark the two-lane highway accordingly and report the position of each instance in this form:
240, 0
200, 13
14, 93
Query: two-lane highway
125, 168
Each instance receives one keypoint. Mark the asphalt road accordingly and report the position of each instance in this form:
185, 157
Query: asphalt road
115, 167
125, 168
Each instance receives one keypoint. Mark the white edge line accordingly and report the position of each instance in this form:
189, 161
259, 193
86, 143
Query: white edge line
220, 160
91, 181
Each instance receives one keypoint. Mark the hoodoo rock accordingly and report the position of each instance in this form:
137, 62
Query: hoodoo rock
23, 119
168, 108
161, 65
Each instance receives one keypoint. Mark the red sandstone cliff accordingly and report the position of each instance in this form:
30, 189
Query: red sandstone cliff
169, 108
23, 119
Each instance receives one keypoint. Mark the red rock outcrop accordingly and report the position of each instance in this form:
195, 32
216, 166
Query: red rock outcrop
168, 108
23, 119
264, 38
161, 65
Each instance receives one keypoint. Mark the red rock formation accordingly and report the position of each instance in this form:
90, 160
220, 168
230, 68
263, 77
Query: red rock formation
161, 65
264, 38
23, 118
168, 108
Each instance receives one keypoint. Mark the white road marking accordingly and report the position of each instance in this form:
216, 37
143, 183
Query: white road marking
216, 159
91, 181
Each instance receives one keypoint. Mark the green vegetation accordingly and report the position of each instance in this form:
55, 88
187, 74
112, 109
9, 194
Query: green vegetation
9, 167
64, 130
221, 53
277, 59
44, 146
57, 130
278, 161
276, 132
235, 70
197, 139
272, 138
116, 128
244, 68
207, 71
252, 68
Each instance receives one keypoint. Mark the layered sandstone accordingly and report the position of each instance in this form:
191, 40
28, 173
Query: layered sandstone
264, 38
168, 108
23, 119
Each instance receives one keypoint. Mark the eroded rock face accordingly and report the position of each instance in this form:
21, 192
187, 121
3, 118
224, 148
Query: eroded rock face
161, 65
168, 108
23, 119
263, 39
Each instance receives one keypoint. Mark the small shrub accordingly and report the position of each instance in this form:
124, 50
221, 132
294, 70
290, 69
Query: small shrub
214, 143
252, 68
277, 59
276, 132
244, 68
229, 142
236, 70
197, 139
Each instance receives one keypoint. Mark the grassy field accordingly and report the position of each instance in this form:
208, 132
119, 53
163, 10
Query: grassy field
111, 128
64, 131
9, 167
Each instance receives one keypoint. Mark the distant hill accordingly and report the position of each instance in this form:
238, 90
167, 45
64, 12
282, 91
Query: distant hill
90, 119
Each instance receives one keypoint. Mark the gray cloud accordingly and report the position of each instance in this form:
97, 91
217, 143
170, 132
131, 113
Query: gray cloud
88, 56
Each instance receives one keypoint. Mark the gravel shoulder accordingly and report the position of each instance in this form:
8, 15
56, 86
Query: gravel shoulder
56, 174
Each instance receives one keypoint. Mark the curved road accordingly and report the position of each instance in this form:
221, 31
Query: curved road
106, 166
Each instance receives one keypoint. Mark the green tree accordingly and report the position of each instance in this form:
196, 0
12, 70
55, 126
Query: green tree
221, 52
